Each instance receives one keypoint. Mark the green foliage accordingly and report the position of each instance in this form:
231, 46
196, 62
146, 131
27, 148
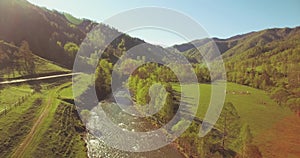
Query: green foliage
245, 138
103, 79
229, 125
59, 43
202, 73
142, 95
128, 66
244, 144
280, 95
71, 48
14, 59
273, 67
147, 81
121, 48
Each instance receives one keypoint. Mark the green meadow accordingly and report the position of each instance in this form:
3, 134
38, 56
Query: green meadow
254, 106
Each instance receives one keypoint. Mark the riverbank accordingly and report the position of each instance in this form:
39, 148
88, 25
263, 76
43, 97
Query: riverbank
98, 148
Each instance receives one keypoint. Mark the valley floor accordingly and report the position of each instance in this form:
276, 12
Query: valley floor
50, 126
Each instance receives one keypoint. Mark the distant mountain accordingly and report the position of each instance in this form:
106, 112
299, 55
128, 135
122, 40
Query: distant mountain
237, 45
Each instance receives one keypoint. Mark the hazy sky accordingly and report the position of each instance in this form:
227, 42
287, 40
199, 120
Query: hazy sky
221, 18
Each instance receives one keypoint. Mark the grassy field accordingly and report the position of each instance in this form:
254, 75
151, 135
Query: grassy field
67, 92
61, 130
62, 136
15, 125
11, 94
256, 109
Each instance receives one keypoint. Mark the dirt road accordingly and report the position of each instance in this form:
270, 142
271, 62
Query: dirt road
19, 152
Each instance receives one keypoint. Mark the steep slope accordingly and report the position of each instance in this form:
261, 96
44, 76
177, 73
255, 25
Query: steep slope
50, 32
41, 28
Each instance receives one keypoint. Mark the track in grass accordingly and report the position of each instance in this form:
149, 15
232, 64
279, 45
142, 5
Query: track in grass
21, 149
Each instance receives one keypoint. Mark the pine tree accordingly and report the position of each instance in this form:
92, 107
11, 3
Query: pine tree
229, 125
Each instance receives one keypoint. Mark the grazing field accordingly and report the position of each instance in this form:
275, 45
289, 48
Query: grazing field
256, 109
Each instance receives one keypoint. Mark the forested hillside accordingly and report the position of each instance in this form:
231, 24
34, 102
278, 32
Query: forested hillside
53, 35
46, 31
267, 60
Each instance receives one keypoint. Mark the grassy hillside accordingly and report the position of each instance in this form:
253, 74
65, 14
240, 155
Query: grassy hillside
72, 19
12, 63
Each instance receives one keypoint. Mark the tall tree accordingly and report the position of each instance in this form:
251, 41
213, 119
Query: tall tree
27, 57
4, 60
229, 125
103, 79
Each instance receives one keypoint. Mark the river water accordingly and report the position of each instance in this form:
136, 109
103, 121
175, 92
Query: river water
98, 149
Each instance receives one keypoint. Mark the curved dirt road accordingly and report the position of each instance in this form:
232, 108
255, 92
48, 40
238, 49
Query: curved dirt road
22, 147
